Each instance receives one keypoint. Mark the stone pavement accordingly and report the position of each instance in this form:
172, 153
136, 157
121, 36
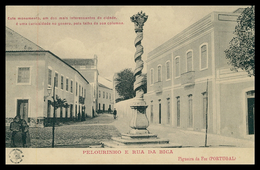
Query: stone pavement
73, 135
187, 138
102, 128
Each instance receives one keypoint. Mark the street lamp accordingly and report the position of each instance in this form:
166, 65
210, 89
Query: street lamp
49, 93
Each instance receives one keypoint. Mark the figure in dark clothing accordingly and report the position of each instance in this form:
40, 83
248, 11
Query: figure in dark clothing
25, 134
20, 133
109, 110
15, 127
115, 113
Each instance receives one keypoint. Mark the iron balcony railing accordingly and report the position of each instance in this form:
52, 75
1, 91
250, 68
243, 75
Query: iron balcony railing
157, 86
188, 78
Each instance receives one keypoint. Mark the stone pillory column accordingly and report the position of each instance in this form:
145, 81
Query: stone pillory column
139, 136
139, 122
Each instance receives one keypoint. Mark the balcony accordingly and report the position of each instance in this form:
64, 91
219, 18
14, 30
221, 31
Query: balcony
188, 78
157, 86
81, 100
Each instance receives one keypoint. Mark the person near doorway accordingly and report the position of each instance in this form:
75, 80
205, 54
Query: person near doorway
16, 129
25, 134
115, 113
109, 110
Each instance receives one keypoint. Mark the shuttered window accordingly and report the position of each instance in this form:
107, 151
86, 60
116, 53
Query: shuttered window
23, 75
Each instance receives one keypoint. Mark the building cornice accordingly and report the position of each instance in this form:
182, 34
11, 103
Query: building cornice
188, 33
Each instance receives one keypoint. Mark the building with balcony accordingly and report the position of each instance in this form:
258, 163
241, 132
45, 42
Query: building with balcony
88, 68
179, 70
105, 98
30, 72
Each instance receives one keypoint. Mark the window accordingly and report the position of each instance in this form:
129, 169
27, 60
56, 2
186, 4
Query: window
99, 93
23, 75
79, 89
71, 86
103, 94
67, 84
203, 56
61, 82
159, 68
49, 76
204, 107
189, 61
152, 76
168, 70
76, 88
190, 124
56, 80
85, 93
178, 111
106, 95
109, 95
177, 66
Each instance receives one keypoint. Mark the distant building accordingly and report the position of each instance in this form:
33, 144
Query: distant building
88, 68
30, 71
105, 98
177, 74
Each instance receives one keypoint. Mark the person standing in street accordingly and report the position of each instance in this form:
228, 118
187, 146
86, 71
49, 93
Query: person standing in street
15, 128
25, 134
115, 113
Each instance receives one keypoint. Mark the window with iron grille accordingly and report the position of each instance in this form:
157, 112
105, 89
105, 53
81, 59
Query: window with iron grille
49, 76
61, 82
67, 84
23, 75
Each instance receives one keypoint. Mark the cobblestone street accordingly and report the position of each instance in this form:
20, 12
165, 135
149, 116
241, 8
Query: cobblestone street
79, 134
93, 131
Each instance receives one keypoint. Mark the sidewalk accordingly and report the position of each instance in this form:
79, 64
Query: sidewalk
188, 138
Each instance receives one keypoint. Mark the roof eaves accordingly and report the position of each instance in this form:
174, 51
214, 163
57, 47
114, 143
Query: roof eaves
58, 59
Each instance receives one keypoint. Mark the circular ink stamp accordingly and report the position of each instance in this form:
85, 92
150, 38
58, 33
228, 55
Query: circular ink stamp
16, 156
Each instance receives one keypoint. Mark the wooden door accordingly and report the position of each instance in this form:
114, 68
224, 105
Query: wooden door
160, 113
22, 109
251, 115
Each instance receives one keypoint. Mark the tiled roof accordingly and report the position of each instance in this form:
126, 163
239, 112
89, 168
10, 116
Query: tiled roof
16, 42
43, 51
239, 10
101, 85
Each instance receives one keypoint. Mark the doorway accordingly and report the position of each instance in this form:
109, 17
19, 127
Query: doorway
160, 113
178, 112
22, 109
71, 111
251, 112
